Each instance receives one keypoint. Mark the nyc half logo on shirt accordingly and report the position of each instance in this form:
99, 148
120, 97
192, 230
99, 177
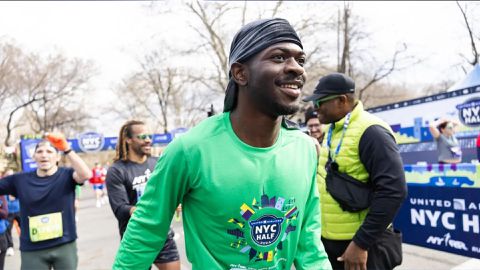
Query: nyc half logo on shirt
264, 227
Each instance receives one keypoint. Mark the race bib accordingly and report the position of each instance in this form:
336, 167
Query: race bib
45, 227
456, 151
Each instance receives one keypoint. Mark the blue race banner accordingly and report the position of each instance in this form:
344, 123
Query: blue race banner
442, 210
27, 148
88, 142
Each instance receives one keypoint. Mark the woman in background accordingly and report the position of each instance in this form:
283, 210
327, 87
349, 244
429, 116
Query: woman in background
443, 131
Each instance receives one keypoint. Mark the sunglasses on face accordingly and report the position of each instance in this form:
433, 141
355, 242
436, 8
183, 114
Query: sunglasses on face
319, 102
143, 137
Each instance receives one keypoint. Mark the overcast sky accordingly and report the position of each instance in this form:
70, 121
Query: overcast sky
113, 34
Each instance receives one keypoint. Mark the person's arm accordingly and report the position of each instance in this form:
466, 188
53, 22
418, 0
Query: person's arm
379, 154
311, 253
149, 225
117, 195
81, 171
7, 186
4, 208
433, 127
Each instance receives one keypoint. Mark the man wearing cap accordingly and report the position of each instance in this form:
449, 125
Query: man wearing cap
245, 178
361, 146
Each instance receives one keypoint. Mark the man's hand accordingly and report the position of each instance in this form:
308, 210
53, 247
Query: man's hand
58, 141
132, 210
354, 257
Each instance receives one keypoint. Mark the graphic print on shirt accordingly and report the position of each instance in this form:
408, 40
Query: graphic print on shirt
265, 225
139, 183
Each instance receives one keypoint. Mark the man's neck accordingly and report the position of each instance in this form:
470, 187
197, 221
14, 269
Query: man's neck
134, 157
45, 173
257, 130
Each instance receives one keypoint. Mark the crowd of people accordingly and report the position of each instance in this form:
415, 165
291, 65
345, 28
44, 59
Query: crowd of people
279, 197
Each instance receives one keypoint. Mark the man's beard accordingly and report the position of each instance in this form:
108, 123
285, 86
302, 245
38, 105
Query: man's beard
281, 110
139, 151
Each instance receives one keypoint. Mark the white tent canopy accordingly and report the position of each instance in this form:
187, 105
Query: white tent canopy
472, 79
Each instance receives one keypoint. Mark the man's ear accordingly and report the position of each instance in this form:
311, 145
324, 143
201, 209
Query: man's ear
128, 140
239, 74
343, 99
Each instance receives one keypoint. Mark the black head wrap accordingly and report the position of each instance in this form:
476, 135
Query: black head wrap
252, 39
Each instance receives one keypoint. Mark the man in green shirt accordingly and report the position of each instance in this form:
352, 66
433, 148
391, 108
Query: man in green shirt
245, 178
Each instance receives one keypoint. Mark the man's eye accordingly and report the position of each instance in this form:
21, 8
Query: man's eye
278, 58
301, 61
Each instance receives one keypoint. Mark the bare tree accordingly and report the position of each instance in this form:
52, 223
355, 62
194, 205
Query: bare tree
214, 33
16, 85
130, 96
213, 42
46, 93
60, 104
471, 35
354, 61
161, 93
8, 61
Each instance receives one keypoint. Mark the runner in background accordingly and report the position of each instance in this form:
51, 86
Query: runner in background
98, 184
126, 180
47, 195
13, 216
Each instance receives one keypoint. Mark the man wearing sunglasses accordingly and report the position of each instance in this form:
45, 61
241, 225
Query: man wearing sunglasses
126, 181
362, 147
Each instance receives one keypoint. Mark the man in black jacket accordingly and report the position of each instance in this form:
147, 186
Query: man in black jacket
360, 146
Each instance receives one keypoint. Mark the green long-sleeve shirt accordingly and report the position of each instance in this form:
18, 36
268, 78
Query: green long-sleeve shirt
243, 207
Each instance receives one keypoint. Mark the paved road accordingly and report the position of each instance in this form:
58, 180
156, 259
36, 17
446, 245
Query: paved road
98, 242
98, 238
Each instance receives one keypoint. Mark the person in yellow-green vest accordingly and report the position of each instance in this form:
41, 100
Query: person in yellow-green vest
360, 179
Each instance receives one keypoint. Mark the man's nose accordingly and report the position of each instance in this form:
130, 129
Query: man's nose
294, 67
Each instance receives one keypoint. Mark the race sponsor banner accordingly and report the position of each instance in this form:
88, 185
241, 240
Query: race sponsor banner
410, 121
88, 142
27, 148
442, 210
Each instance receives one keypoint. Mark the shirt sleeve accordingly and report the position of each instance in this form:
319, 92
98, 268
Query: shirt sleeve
381, 158
117, 195
311, 252
149, 225
7, 186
